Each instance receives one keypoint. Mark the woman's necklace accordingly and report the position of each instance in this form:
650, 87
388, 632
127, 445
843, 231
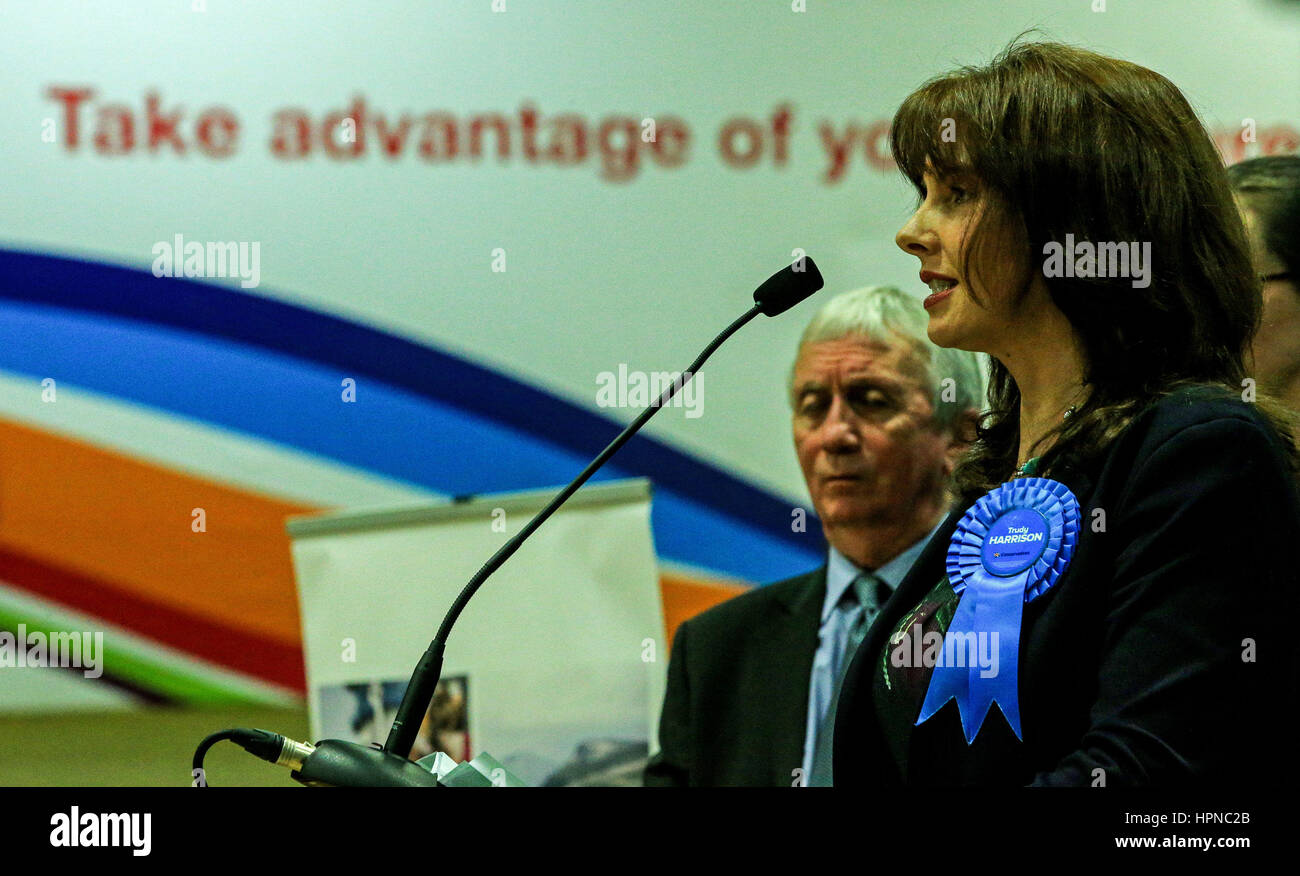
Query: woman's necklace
1031, 465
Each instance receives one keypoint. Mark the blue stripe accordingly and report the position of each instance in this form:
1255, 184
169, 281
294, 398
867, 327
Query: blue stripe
453, 435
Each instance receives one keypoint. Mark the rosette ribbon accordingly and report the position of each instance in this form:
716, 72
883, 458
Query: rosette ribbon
1010, 547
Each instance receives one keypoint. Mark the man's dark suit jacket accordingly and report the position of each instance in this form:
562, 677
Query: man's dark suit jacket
1131, 666
736, 708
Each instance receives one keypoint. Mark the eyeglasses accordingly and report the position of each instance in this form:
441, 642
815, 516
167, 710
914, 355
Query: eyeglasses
1279, 277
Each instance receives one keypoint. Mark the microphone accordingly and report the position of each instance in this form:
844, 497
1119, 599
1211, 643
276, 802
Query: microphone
787, 287
348, 764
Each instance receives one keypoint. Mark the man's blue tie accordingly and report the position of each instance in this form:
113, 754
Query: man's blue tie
870, 592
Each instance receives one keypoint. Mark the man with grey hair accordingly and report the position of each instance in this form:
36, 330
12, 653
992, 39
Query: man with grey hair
880, 416
1268, 195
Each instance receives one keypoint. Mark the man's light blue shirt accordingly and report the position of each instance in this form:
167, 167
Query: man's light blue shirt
836, 621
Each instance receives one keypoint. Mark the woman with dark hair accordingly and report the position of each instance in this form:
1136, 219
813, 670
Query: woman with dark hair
1117, 573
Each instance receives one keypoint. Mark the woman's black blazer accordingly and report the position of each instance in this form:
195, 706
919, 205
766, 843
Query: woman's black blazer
1164, 655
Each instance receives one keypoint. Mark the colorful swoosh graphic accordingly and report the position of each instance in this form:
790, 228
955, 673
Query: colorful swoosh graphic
97, 496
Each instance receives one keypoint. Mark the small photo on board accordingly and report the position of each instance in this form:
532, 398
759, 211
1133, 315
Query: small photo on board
363, 712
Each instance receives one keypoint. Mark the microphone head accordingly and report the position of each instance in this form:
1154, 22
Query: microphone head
788, 286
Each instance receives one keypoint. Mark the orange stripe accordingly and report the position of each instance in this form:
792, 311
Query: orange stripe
117, 518
684, 598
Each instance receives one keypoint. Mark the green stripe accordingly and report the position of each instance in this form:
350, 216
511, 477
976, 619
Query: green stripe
175, 684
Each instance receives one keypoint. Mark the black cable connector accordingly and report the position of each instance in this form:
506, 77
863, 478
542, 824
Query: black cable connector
262, 743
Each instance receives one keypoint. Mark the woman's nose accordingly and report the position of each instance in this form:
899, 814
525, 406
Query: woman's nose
915, 237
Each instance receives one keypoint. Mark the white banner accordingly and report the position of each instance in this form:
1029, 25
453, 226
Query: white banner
555, 668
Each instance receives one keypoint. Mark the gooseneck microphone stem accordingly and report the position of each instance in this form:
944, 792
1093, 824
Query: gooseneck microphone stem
428, 671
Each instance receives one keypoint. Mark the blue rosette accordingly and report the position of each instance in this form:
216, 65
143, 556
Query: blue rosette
1009, 548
